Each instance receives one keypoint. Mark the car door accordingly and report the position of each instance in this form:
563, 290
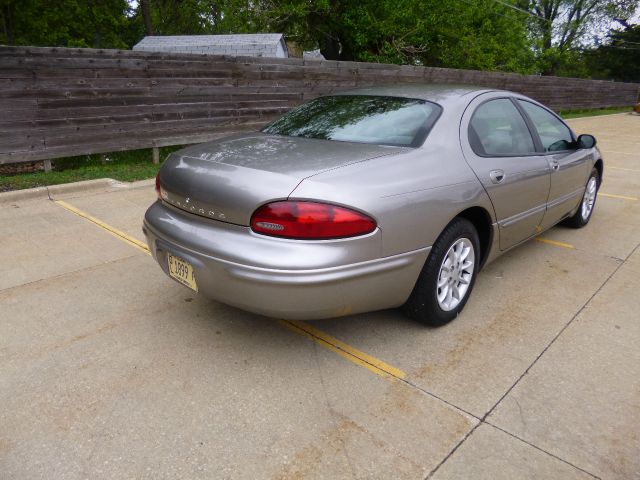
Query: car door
569, 165
500, 148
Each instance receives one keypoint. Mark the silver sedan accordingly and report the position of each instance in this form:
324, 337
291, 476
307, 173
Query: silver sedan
371, 199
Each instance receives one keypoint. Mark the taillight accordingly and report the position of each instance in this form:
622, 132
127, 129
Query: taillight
158, 191
310, 221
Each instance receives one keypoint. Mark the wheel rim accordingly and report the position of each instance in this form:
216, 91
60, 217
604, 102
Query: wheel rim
455, 274
589, 197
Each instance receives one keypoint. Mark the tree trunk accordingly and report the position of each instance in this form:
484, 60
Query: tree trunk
146, 15
7, 23
329, 47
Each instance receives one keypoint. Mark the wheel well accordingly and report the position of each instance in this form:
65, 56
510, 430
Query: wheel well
481, 220
599, 167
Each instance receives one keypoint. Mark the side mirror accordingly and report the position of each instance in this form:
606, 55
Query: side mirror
586, 141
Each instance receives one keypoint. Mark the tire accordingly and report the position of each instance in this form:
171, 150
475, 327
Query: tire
423, 304
587, 204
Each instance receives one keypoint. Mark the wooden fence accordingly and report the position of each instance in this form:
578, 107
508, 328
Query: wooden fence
59, 102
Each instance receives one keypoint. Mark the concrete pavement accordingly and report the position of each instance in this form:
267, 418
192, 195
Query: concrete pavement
108, 369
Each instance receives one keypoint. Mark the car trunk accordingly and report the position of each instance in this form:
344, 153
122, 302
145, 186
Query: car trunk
227, 180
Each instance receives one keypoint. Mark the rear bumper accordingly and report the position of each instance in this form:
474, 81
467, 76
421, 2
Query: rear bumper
255, 273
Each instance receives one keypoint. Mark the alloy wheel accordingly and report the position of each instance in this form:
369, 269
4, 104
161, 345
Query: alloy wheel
455, 274
589, 197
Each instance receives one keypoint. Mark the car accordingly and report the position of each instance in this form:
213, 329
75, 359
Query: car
376, 198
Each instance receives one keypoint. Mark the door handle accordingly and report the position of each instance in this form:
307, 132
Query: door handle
555, 166
496, 176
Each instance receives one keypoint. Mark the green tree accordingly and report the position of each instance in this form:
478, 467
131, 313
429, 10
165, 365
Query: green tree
562, 28
463, 33
64, 23
619, 57
173, 17
474, 34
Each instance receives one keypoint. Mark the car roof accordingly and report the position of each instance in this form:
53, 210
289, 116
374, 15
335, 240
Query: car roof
433, 92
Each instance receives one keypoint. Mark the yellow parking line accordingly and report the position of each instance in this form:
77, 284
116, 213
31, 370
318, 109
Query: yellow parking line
113, 231
333, 344
344, 350
553, 242
623, 197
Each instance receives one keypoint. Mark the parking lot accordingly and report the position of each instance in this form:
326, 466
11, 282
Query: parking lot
109, 369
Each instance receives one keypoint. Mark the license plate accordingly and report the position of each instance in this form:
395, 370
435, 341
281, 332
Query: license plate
182, 271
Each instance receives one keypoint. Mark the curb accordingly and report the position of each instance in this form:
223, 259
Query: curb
150, 182
47, 193
84, 186
29, 194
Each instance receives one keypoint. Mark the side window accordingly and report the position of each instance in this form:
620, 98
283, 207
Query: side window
554, 134
497, 128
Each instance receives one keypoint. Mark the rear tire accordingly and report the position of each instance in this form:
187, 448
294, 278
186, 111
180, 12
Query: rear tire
587, 204
448, 276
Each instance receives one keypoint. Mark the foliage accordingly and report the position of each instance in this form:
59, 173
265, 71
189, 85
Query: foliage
464, 34
177, 17
560, 29
525, 36
64, 23
619, 58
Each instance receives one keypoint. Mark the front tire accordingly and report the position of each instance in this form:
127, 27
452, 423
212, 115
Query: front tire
588, 203
448, 276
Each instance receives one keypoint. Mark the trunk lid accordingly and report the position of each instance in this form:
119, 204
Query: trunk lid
228, 180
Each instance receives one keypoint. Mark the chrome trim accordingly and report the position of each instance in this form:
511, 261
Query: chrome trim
521, 216
564, 198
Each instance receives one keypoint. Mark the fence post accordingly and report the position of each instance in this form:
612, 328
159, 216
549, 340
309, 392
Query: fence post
47, 165
156, 155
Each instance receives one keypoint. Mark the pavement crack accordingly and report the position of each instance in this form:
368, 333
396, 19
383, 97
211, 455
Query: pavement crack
453, 450
562, 330
331, 410
520, 413
483, 419
437, 397
541, 449
79, 270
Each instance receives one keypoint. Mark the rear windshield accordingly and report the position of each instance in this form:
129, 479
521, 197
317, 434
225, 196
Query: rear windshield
360, 118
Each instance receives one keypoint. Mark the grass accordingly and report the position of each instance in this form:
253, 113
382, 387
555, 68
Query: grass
124, 166
593, 112
136, 164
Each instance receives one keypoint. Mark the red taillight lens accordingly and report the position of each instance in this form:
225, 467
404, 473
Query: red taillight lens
158, 185
310, 221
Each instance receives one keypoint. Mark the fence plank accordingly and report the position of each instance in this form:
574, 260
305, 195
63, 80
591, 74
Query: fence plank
72, 101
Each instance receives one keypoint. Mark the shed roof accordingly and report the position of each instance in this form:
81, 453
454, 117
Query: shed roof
256, 45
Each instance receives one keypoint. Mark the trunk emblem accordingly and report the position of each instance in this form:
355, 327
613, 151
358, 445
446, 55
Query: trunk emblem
189, 205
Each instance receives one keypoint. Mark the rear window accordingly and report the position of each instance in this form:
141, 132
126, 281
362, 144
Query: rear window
360, 118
